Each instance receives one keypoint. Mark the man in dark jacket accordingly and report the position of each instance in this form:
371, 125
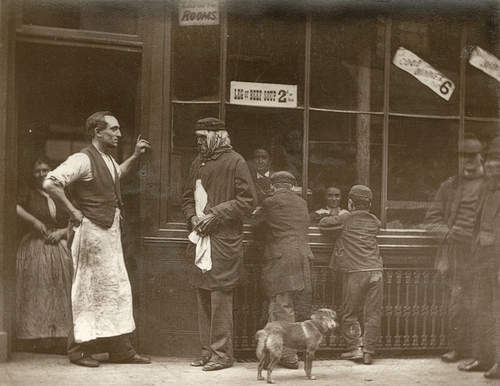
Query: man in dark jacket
450, 219
486, 284
287, 266
356, 255
219, 191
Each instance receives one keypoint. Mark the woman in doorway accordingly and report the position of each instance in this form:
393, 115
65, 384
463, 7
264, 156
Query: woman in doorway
43, 314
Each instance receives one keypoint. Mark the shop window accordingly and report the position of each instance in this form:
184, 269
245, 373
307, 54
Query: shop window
332, 155
342, 77
422, 155
266, 49
484, 131
435, 40
196, 62
482, 91
98, 16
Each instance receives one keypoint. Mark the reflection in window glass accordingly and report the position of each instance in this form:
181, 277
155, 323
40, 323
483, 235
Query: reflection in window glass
343, 77
196, 62
484, 131
436, 40
482, 91
279, 130
266, 49
422, 154
332, 155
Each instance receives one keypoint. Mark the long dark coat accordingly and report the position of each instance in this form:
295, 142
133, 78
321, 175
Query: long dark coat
287, 255
231, 194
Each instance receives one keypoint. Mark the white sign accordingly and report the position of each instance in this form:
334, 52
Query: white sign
199, 12
424, 72
263, 94
486, 62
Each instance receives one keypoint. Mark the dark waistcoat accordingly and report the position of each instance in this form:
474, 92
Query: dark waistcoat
99, 197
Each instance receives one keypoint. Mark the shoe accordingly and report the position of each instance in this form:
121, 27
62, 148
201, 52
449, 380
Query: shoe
355, 354
473, 366
213, 366
494, 372
200, 361
289, 365
86, 362
134, 360
367, 358
451, 356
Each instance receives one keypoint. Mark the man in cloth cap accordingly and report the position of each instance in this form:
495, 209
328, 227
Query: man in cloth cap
101, 297
287, 266
450, 218
486, 269
356, 255
219, 192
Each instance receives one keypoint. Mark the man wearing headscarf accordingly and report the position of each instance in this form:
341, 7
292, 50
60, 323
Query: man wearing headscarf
450, 219
219, 192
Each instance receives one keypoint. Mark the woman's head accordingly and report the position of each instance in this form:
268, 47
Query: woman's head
333, 195
41, 168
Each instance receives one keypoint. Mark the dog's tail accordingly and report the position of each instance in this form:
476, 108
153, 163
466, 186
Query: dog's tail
261, 337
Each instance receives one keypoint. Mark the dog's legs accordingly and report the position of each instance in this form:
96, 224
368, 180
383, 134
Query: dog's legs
262, 360
309, 357
270, 367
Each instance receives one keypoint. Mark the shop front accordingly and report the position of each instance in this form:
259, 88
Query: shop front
336, 93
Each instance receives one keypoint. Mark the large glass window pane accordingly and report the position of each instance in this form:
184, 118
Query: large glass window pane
332, 155
436, 40
195, 62
482, 91
279, 130
484, 131
347, 65
422, 154
266, 49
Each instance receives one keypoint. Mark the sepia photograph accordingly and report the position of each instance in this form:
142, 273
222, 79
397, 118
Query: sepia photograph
279, 191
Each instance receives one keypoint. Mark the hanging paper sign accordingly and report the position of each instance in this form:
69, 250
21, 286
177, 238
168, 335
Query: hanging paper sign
486, 62
263, 94
424, 72
199, 12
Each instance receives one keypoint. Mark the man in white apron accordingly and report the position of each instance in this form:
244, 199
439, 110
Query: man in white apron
101, 296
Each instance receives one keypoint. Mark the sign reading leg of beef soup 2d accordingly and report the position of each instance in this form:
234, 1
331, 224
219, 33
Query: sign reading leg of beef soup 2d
424, 72
263, 94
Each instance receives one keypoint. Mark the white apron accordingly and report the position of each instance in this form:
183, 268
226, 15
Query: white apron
101, 296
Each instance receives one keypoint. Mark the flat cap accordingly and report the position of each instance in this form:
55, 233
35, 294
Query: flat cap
494, 147
470, 145
283, 176
361, 191
211, 124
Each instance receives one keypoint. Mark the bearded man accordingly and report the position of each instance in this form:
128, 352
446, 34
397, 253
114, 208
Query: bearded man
219, 192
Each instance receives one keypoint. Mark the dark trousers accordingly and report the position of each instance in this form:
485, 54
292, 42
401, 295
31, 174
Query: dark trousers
486, 307
459, 284
362, 295
118, 347
281, 308
215, 322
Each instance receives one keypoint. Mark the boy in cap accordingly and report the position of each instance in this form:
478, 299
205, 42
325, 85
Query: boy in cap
287, 266
450, 218
356, 255
219, 192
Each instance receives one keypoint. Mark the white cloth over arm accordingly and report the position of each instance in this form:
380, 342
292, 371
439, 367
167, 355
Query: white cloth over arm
203, 259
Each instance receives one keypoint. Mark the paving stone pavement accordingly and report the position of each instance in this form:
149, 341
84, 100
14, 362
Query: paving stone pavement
27, 369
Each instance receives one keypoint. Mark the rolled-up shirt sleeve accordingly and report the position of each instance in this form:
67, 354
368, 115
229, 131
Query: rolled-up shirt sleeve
76, 168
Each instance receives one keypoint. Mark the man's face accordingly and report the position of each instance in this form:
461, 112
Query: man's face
202, 143
262, 160
111, 135
471, 162
492, 165
333, 196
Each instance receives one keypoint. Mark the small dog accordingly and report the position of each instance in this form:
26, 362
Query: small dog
304, 336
